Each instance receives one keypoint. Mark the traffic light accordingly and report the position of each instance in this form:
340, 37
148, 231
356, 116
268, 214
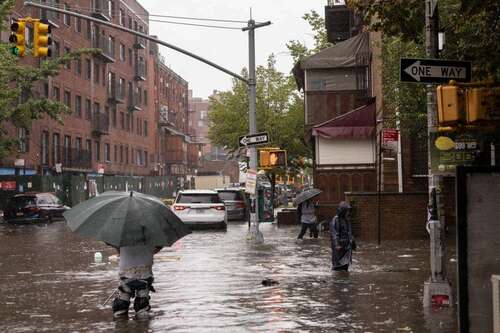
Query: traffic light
17, 38
264, 158
42, 40
277, 158
450, 102
483, 104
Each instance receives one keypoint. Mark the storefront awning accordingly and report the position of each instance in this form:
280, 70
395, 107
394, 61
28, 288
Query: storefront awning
356, 124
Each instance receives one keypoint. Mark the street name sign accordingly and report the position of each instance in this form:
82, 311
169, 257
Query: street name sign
253, 139
434, 70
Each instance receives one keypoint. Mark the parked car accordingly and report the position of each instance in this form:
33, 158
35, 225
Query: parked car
34, 207
237, 204
200, 209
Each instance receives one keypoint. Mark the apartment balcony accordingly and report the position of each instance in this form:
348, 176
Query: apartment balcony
100, 124
167, 118
140, 71
116, 92
107, 49
134, 101
100, 10
73, 158
140, 43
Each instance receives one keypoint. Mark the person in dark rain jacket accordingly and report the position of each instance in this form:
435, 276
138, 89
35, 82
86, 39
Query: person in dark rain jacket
342, 240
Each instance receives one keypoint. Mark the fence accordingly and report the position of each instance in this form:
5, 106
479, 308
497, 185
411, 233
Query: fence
73, 189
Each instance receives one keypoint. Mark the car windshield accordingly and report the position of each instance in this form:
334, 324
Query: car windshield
22, 201
230, 195
48, 199
206, 198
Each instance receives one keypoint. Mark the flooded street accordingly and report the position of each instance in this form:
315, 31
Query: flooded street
211, 282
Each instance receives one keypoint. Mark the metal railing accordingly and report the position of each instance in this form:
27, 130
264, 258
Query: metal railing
100, 9
140, 71
107, 50
100, 123
116, 92
140, 43
76, 158
133, 101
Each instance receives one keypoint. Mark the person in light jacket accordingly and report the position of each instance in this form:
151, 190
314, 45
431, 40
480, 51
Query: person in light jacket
307, 216
342, 240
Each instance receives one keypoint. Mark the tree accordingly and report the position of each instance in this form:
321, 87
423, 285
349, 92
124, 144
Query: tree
19, 104
279, 111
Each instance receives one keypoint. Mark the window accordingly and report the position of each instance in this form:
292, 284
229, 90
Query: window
78, 25
107, 154
200, 123
122, 87
122, 120
57, 49
88, 31
132, 124
111, 45
103, 75
56, 93
78, 67
88, 109
22, 136
97, 146
67, 99
68, 64
67, 150
145, 160
203, 114
126, 155
130, 57
145, 97
116, 154
122, 52
145, 128
57, 5
122, 17
78, 144
56, 147
66, 18
88, 69
129, 22
96, 72
78, 106
111, 8
121, 154
45, 147
113, 116
127, 122
46, 89
88, 147
138, 126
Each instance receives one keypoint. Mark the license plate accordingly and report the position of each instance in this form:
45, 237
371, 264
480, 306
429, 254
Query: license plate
200, 211
19, 214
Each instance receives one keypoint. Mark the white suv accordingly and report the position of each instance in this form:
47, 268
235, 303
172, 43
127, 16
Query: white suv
200, 209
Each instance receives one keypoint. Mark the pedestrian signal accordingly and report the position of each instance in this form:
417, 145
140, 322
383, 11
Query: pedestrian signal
264, 158
17, 38
277, 158
42, 40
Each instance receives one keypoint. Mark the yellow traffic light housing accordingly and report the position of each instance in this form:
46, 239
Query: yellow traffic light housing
42, 40
450, 102
17, 38
277, 158
264, 158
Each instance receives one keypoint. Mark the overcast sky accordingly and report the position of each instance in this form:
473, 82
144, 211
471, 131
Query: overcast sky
229, 48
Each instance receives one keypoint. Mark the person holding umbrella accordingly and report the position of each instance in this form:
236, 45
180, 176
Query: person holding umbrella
136, 224
306, 211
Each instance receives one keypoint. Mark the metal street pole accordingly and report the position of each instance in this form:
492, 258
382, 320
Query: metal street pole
437, 289
254, 233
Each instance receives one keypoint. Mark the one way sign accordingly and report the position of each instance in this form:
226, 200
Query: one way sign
434, 70
253, 139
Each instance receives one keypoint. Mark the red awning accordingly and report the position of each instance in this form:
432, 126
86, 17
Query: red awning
356, 124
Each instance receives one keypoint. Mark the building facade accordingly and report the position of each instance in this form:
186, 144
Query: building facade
114, 98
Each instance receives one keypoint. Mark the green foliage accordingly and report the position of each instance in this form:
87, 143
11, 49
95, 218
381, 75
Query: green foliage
298, 49
471, 28
19, 104
279, 112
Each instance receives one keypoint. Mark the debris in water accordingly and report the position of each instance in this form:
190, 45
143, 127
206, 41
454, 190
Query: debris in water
269, 282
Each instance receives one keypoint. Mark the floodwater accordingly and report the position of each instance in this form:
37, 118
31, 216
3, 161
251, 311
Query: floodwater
211, 282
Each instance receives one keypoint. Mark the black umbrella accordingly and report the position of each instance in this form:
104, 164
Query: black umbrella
126, 219
306, 195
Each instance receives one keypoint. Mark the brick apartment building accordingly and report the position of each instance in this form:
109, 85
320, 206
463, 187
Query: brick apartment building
116, 99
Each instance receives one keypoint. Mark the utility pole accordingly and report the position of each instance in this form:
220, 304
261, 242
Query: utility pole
437, 289
254, 233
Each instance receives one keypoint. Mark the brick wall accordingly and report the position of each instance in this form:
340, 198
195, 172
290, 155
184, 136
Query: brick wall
403, 215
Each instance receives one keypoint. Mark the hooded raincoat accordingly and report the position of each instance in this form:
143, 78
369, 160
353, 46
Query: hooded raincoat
341, 238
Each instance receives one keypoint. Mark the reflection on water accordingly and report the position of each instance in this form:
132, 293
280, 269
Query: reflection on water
211, 282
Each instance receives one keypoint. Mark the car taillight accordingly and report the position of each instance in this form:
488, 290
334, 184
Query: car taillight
219, 207
240, 205
180, 207
33, 209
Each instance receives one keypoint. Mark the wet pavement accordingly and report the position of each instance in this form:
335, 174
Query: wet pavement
211, 282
